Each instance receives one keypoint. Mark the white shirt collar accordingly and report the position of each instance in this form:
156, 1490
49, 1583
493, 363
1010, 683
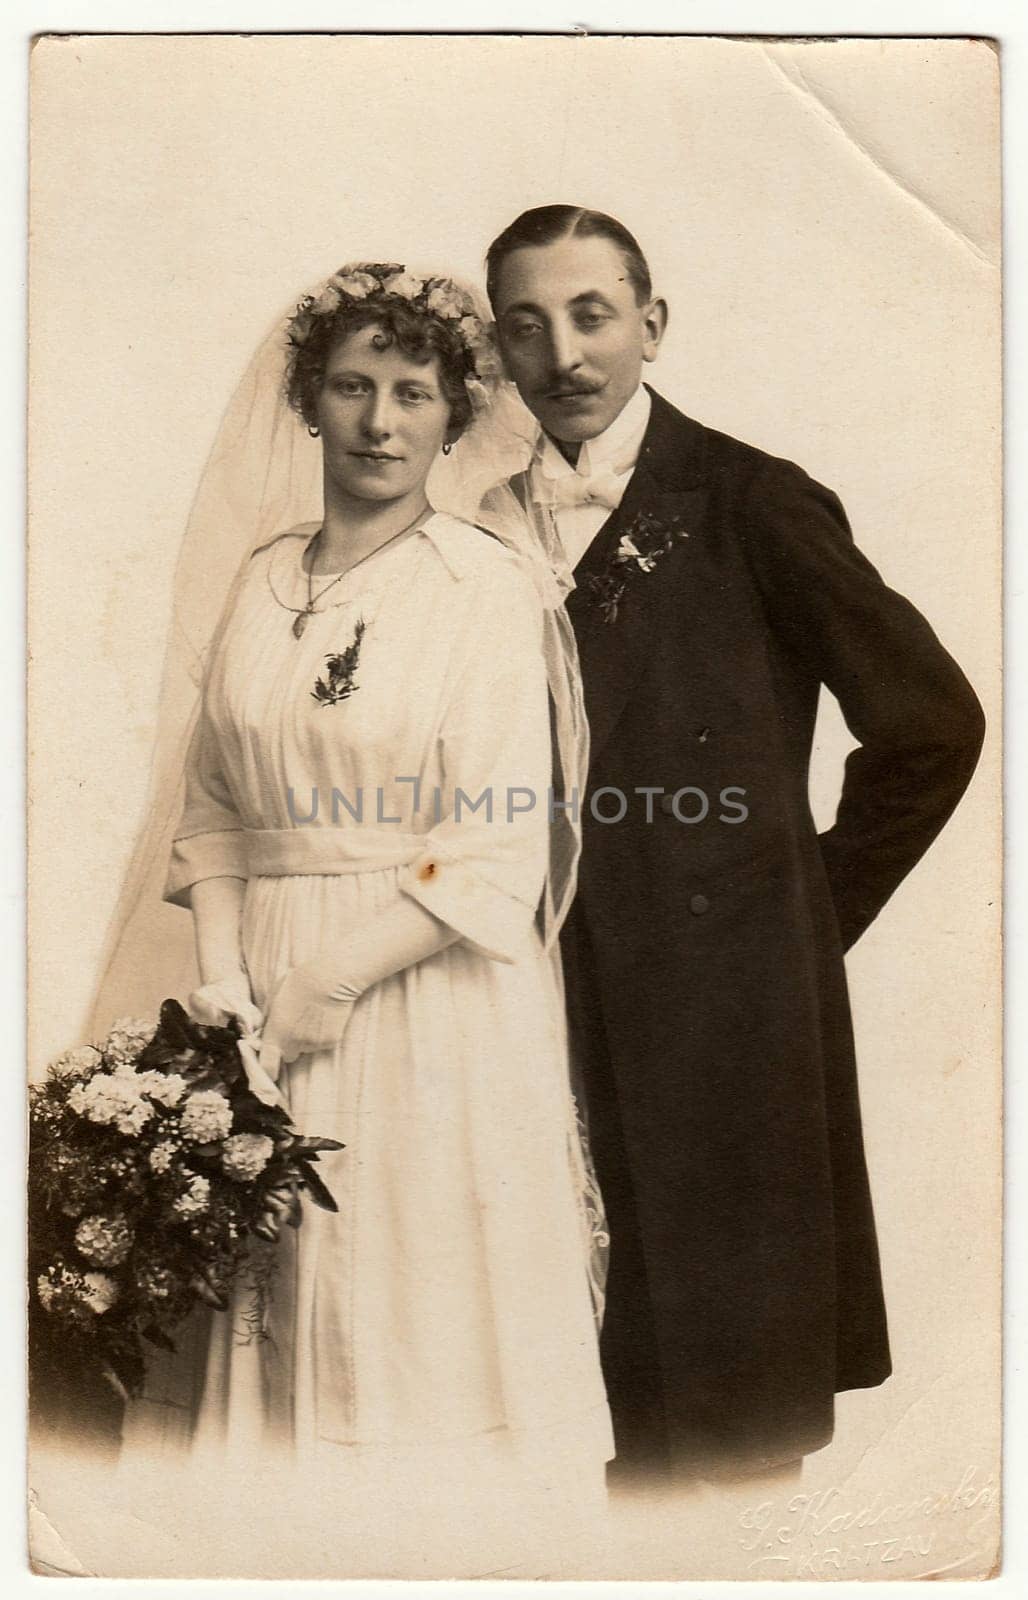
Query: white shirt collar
616, 448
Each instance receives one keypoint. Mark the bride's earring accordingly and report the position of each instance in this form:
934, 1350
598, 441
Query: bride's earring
313, 430
447, 448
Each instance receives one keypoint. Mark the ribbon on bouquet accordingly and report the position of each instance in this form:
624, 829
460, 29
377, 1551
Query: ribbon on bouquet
261, 1082
217, 1004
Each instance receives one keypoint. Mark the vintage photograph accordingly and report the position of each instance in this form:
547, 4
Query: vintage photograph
515, 809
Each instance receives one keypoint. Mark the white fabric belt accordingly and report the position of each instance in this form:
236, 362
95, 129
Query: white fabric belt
299, 852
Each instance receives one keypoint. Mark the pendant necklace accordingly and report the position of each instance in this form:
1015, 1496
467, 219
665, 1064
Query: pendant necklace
303, 614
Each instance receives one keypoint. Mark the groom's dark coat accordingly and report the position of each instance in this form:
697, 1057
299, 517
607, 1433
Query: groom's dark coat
704, 959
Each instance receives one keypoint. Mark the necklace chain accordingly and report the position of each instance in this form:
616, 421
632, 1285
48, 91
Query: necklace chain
304, 613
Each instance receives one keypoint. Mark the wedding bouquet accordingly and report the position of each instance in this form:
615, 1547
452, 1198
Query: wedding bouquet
156, 1179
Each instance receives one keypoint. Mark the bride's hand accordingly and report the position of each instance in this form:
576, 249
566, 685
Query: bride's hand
216, 1004
312, 1005
309, 1012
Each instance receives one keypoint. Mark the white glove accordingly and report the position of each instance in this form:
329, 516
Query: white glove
311, 1007
308, 1012
215, 1004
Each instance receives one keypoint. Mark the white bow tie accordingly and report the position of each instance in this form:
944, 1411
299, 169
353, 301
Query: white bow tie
602, 488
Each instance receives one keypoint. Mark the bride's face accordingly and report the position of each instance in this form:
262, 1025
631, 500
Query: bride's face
383, 417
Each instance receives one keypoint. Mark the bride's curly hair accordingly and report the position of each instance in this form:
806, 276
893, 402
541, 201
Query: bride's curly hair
422, 317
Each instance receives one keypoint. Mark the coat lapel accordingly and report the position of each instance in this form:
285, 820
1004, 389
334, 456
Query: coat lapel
665, 484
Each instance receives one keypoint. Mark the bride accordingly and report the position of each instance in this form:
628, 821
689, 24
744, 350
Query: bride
365, 848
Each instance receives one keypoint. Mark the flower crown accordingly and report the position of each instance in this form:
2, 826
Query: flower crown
358, 283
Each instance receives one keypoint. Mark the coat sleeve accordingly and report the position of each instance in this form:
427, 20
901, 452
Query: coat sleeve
209, 840
919, 724
484, 861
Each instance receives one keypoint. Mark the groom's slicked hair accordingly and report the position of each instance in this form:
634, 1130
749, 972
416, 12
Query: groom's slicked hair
546, 224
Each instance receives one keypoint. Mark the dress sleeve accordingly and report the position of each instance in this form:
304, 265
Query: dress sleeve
209, 840
484, 863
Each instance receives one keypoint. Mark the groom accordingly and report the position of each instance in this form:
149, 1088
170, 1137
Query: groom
717, 589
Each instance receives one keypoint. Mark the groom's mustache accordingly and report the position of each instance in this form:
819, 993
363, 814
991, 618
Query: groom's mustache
559, 391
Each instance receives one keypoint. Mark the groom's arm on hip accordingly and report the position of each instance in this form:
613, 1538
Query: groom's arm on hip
918, 721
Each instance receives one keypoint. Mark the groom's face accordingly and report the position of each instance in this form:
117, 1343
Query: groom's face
573, 334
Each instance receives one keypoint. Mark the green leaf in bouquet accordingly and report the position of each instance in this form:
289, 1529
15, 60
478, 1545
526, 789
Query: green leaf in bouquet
307, 1146
209, 1152
316, 1188
280, 1204
199, 1052
212, 1294
253, 1116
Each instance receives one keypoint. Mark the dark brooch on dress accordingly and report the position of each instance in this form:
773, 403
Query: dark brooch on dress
641, 546
341, 668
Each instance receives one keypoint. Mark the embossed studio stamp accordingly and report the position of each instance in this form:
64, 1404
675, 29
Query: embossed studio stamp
825, 1534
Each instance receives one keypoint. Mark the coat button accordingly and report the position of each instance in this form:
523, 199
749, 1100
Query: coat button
699, 904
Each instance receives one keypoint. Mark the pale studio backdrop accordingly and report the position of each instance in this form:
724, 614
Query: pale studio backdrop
823, 219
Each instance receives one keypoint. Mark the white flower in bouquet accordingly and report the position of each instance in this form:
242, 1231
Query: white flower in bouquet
127, 1037
245, 1155
78, 1063
162, 1155
107, 1098
106, 1240
155, 1282
167, 1088
111, 1167
43, 1108
51, 1283
100, 1292
206, 1116
132, 1120
195, 1199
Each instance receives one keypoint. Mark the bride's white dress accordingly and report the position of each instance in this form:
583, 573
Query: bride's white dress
434, 1342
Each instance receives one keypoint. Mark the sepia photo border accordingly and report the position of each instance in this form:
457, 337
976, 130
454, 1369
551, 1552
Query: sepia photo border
783, 22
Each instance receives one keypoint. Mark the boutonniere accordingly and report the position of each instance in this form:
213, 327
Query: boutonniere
341, 668
646, 539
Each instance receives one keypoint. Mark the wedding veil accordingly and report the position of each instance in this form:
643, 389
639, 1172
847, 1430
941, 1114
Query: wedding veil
262, 477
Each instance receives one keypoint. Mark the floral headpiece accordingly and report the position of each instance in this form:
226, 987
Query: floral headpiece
440, 297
